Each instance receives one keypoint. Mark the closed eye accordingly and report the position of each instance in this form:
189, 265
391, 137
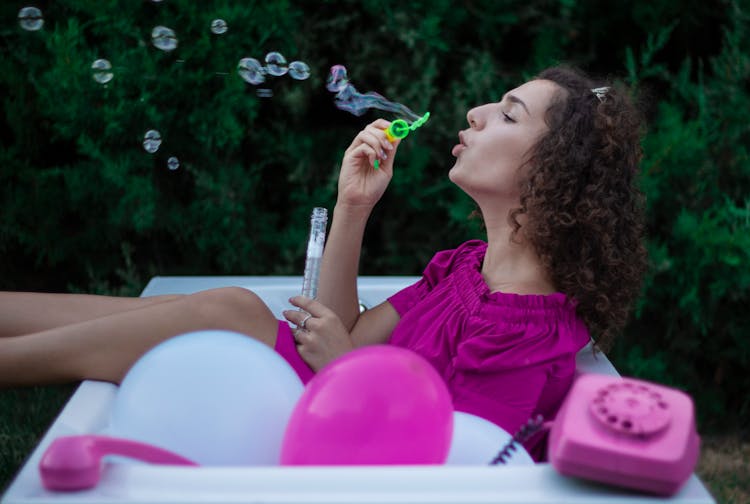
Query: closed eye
508, 118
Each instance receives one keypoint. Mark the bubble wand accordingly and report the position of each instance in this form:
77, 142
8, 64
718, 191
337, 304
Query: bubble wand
315, 244
349, 99
400, 129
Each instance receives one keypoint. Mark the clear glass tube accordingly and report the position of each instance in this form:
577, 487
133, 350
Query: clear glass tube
318, 223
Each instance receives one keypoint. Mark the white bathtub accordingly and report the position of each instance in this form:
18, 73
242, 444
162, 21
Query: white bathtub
88, 409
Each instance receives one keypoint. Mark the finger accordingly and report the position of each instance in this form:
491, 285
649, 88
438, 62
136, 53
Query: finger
377, 130
364, 151
380, 133
301, 337
296, 317
311, 306
380, 123
303, 303
363, 137
375, 138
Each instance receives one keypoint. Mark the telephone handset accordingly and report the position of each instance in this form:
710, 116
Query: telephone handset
626, 432
74, 462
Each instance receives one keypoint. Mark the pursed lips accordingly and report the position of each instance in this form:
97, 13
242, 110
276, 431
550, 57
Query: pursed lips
458, 148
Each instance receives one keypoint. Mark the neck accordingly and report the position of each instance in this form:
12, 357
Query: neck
511, 264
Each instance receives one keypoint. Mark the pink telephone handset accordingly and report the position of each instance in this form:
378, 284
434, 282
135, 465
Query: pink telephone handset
625, 432
74, 462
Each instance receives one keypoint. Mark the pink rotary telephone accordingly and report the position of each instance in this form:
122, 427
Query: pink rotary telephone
625, 432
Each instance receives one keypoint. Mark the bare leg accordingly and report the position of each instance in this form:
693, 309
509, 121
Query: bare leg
30, 312
105, 348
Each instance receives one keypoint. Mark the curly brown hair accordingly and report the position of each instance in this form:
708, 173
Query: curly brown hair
583, 207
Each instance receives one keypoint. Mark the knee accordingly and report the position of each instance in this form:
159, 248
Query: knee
220, 306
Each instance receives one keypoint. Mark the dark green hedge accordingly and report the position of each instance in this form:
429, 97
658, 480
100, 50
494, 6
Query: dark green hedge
85, 208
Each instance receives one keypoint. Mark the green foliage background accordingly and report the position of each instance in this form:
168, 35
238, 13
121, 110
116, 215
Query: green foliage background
85, 208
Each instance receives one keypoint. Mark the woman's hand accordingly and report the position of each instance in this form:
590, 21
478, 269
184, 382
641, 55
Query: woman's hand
360, 184
320, 334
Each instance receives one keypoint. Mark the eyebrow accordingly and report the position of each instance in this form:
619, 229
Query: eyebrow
516, 99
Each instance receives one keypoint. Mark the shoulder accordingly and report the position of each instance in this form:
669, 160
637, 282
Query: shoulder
469, 250
472, 247
445, 262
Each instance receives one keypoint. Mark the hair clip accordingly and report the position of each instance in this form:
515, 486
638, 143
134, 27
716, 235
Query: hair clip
600, 92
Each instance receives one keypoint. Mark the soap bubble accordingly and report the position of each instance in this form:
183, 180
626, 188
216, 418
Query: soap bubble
275, 63
219, 26
264, 93
251, 71
151, 141
102, 73
164, 38
173, 163
299, 70
30, 18
337, 79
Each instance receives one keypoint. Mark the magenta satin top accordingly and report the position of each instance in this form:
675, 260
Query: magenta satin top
505, 357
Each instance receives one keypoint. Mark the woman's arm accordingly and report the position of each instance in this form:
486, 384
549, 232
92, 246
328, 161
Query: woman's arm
360, 187
340, 265
375, 326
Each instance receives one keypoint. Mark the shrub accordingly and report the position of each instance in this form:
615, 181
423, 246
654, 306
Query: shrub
85, 208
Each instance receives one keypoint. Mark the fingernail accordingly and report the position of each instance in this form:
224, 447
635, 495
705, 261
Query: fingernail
383, 155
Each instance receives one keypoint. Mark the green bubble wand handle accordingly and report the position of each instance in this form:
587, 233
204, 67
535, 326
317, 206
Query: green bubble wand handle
400, 128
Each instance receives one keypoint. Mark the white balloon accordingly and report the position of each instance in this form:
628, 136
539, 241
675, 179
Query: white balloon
477, 441
215, 397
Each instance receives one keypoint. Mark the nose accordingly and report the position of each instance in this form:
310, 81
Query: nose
474, 117
470, 118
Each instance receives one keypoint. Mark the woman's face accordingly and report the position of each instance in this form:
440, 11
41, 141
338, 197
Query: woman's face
499, 137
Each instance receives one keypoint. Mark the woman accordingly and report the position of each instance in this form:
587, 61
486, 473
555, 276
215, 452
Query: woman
552, 168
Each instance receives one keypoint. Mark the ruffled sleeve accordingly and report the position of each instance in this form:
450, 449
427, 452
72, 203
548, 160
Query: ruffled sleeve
440, 266
510, 331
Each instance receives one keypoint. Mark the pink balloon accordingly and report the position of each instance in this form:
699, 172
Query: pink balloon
375, 405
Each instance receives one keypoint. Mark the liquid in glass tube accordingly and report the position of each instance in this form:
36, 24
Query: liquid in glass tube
318, 222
